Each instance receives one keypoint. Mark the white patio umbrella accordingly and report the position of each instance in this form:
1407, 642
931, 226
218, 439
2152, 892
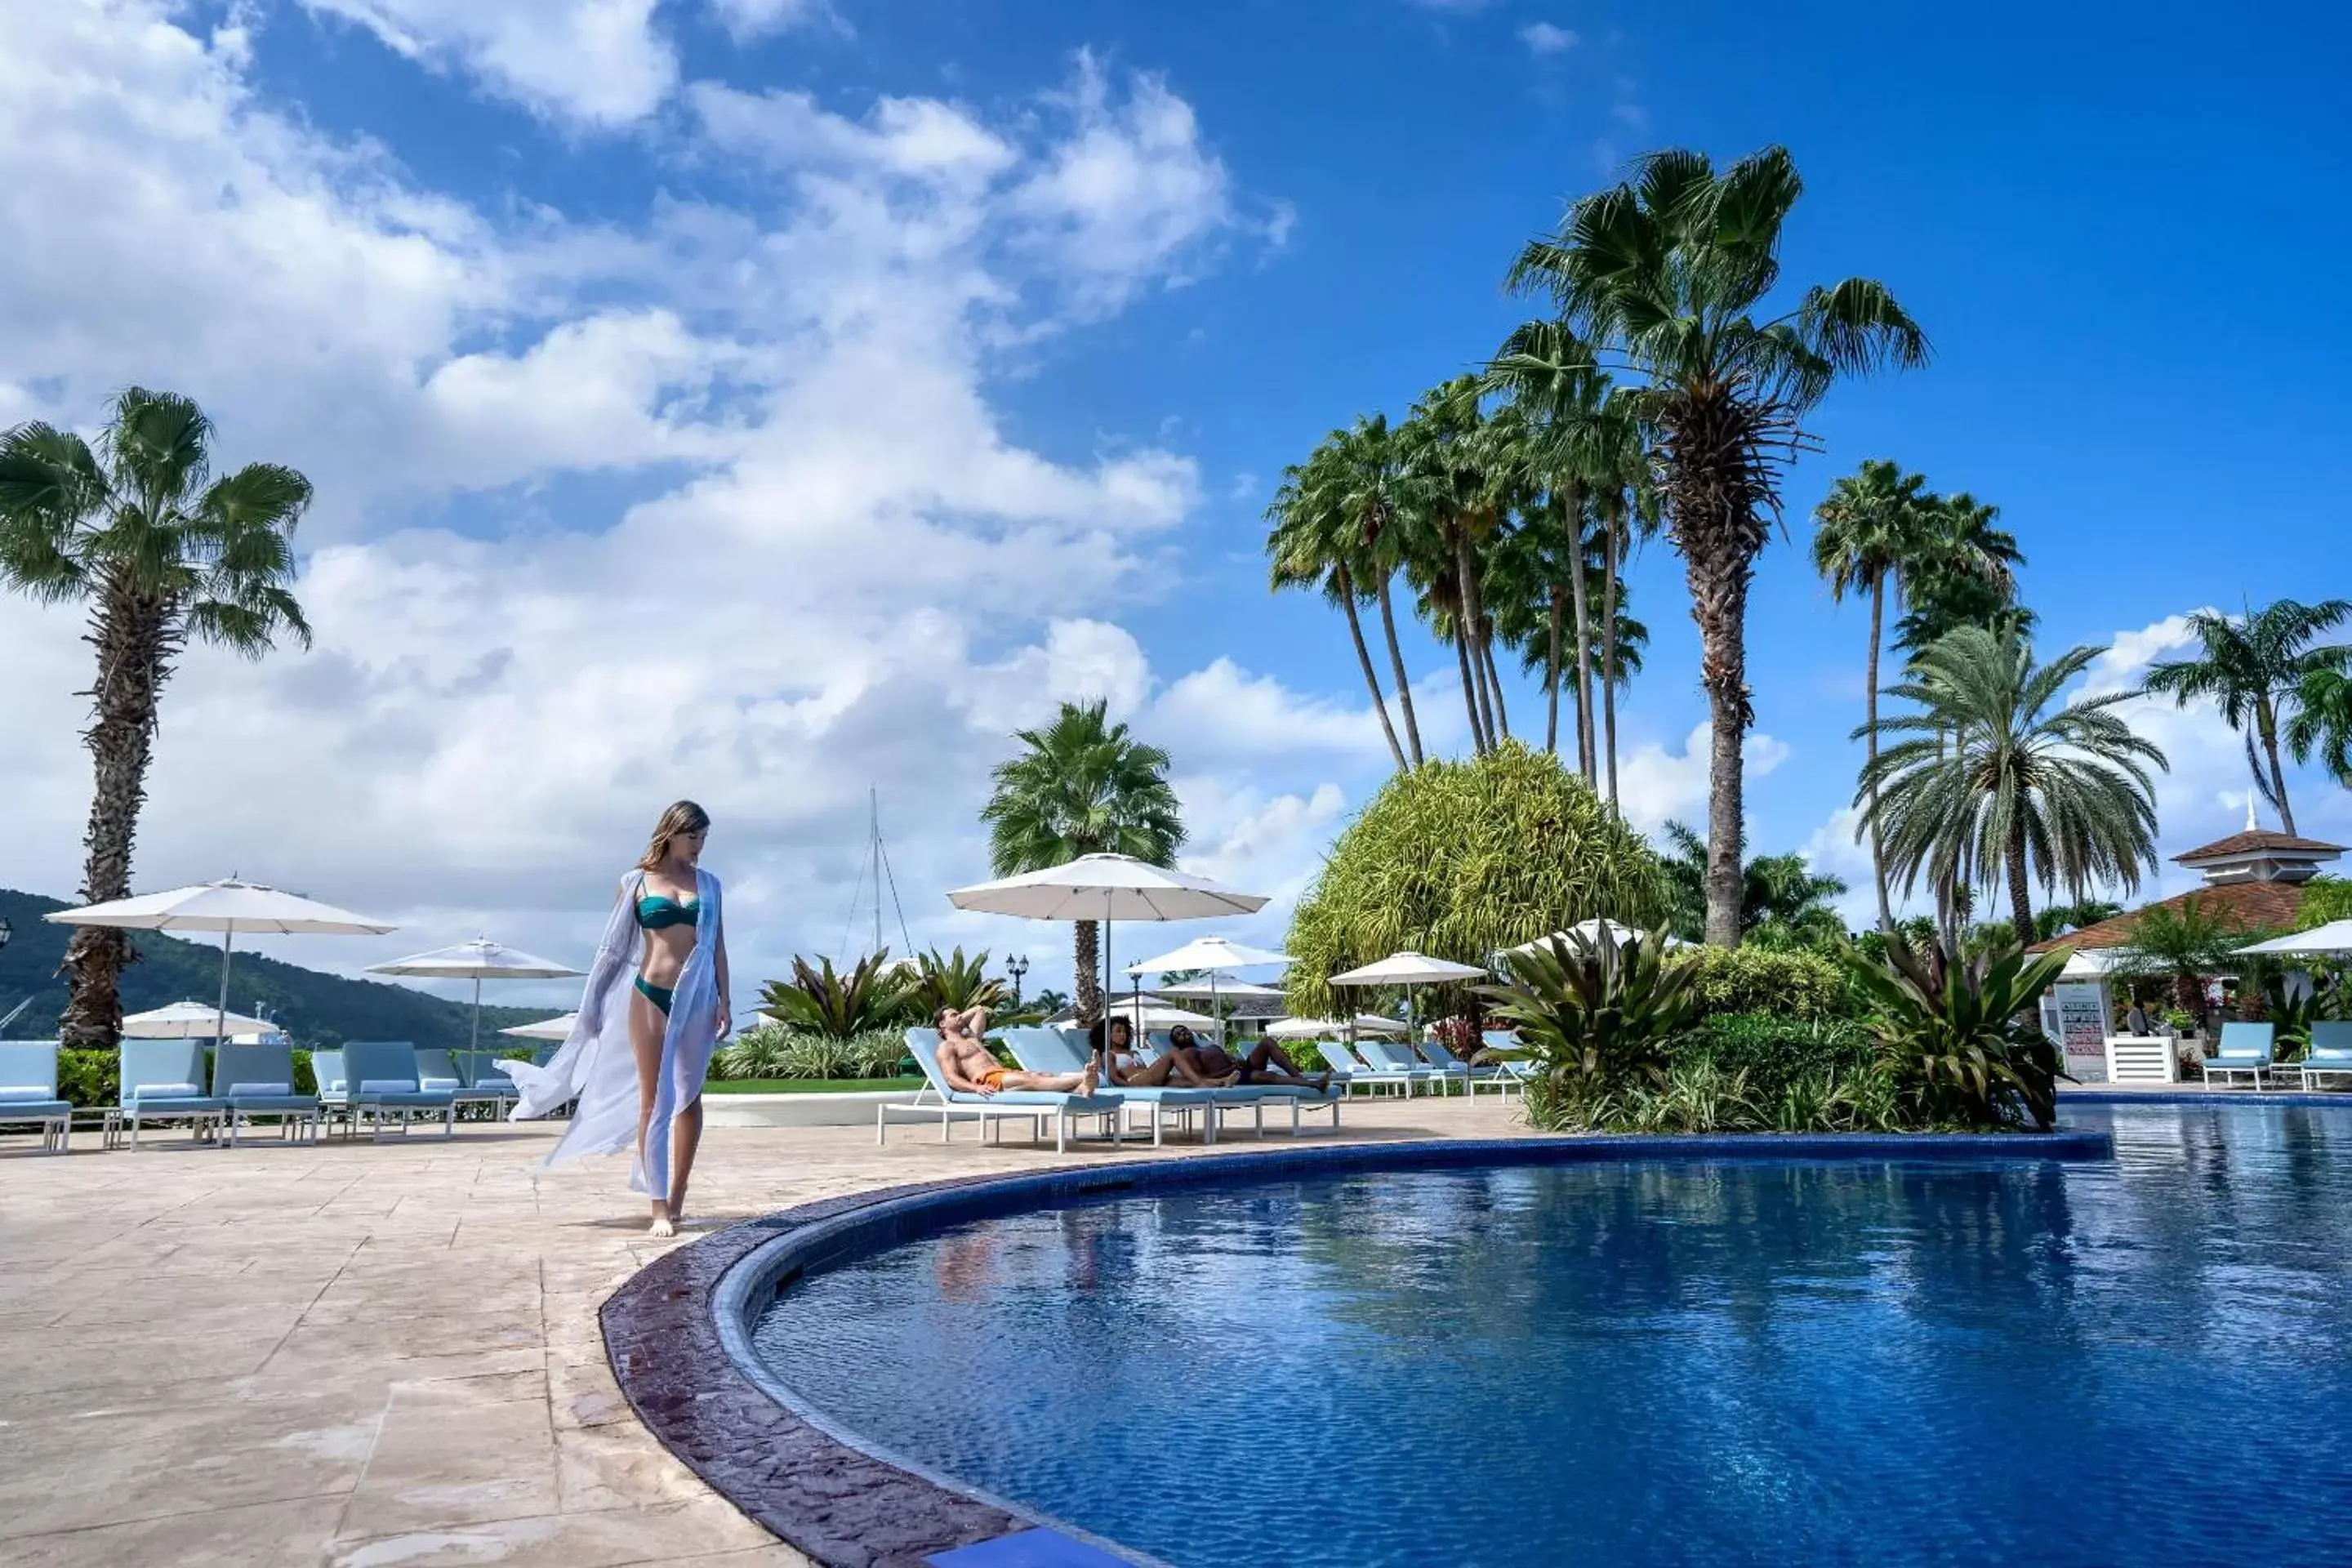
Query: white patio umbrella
1210, 989
1108, 889
2335, 936
1590, 931
1409, 969
1147, 1013
1319, 1029
479, 960
191, 1021
227, 907
1214, 953
557, 1029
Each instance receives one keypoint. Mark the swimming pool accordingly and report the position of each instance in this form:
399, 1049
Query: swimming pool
1905, 1362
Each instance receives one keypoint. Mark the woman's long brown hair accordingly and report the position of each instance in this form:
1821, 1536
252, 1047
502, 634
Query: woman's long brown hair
683, 817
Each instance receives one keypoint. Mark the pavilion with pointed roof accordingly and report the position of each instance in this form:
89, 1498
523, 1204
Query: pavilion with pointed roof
2254, 880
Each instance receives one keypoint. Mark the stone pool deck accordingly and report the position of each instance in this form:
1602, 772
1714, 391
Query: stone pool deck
378, 1355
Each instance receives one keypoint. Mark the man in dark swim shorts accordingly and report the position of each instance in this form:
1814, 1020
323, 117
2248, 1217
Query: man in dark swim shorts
1267, 1064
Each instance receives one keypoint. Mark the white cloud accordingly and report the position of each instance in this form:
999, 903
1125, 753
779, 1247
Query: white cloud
1547, 38
592, 62
1657, 786
807, 588
748, 20
1225, 713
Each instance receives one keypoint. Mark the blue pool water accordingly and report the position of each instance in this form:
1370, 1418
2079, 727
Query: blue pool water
2147, 1362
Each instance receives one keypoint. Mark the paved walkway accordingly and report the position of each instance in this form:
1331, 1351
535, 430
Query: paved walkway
371, 1356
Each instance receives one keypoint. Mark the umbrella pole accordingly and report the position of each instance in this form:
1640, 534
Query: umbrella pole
220, 1019
473, 1040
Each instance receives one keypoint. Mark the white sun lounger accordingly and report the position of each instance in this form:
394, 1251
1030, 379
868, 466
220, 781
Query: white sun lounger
1051, 1050
1036, 1107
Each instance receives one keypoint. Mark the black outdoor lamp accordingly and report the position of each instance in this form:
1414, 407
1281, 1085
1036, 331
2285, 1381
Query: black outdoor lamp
1016, 966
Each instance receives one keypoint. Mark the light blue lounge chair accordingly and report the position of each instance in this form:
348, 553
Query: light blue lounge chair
2244, 1048
1472, 1077
383, 1077
258, 1080
1517, 1070
334, 1085
2330, 1053
441, 1070
486, 1078
1036, 1106
1056, 1050
162, 1079
1395, 1064
28, 1092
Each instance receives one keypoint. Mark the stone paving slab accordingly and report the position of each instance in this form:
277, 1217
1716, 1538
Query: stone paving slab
376, 1355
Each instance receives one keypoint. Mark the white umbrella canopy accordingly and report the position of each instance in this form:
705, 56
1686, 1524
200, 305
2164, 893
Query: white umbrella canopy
1409, 969
1213, 954
479, 960
1590, 931
191, 1021
1327, 1028
1158, 1016
1106, 888
2335, 936
228, 907
545, 1030
1213, 991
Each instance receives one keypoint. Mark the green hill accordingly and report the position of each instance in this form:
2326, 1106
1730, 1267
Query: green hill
316, 1009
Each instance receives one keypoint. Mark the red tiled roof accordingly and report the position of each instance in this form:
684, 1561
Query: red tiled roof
2250, 906
2256, 841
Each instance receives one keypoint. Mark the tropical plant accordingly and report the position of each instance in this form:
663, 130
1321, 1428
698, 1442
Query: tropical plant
1081, 785
1779, 894
1775, 1051
2322, 722
1461, 474
2252, 666
1693, 1096
2183, 943
163, 553
873, 995
1964, 575
2056, 919
1995, 779
774, 1051
1668, 272
1460, 859
951, 980
1595, 1016
1048, 1002
1963, 1041
1873, 523
2323, 899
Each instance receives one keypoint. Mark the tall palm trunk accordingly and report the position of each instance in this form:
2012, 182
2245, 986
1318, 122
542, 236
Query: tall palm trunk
1551, 677
1396, 666
2021, 896
1364, 658
136, 636
1470, 685
1609, 645
2266, 721
1870, 709
1718, 579
1085, 961
1473, 617
1571, 506
1495, 680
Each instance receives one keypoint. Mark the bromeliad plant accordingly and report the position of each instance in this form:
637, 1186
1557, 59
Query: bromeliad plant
1962, 1041
951, 980
873, 996
1596, 1016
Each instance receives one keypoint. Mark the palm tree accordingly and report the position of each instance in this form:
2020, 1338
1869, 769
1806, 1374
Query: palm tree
1376, 491
2024, 788
1779, 890
2322, 722
1317, 543
1964, 575
2183, 943
1081, 785
1667, 271
1450, 457
1871, 525
2252, 666
163, 553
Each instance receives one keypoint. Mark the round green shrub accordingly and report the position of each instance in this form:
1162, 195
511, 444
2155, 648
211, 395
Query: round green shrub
1775, 1051
1461, 859
1784, 981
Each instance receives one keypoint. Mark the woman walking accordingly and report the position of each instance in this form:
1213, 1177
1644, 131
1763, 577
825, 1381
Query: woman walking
655, 1008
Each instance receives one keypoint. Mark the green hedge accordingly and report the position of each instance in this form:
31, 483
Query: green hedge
1775, 1050
1782, 980
92, 1081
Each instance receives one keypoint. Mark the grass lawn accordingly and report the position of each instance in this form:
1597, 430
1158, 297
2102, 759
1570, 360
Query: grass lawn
809, 1085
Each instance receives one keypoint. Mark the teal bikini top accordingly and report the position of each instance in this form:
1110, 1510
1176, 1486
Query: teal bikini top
657, 911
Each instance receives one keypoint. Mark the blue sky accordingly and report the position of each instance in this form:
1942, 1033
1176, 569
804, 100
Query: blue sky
757, 399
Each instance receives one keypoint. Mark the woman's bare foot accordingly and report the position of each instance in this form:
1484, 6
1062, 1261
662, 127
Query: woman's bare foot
1227, 1081
1086, 1081
661, 1225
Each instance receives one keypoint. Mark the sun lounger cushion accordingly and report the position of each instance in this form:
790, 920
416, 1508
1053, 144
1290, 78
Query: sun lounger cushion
432, 1083
165, 1091
17, 1093
242, 1089
388, 1085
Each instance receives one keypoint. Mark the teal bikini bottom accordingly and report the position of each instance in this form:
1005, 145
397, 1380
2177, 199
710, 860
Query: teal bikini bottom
660, 996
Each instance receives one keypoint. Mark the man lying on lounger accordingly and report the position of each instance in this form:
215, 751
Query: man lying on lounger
965, 1063
1206, 1063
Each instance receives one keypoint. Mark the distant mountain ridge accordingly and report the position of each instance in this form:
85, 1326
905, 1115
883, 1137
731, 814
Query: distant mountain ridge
316, 1009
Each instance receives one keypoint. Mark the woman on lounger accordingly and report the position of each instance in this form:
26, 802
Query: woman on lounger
654, 1008
1124, 1065
1207, 1063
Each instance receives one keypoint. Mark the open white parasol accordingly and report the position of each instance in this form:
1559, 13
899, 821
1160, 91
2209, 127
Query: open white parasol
479, 960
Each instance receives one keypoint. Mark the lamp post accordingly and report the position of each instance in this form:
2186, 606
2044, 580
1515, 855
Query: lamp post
1016, 966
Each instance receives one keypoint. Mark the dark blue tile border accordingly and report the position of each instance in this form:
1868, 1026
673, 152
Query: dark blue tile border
2191, 1095
677, 1333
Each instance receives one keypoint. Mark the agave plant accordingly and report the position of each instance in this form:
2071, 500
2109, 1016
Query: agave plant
955, 981
819, 1001
1596, 1015
1962, 1039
